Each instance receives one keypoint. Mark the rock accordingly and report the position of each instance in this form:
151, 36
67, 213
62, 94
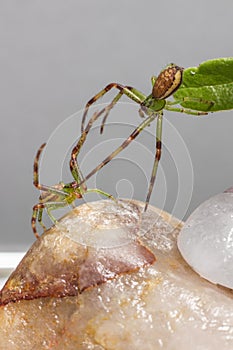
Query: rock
85, 250
206, 240
128, 289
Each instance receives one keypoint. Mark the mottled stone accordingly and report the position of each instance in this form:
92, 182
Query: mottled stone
142, 303
88, 247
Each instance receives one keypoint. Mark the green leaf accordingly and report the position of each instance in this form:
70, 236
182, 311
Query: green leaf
210, 84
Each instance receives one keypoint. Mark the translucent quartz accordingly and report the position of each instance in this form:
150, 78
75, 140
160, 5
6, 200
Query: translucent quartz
206, 240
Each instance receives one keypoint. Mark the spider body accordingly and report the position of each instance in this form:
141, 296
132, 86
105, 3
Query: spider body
57, 196
168, 81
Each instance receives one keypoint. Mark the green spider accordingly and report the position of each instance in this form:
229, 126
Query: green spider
168, 81
57, 196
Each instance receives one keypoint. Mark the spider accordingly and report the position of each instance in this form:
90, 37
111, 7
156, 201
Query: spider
59, 195
152, 106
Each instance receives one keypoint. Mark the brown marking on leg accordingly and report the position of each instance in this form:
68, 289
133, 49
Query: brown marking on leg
36, 165
96, 97
36, 208
158, 149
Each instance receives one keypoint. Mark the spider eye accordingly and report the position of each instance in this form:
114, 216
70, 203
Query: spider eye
167, 82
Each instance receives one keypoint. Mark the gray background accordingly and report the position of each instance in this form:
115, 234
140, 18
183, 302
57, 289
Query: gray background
55, 55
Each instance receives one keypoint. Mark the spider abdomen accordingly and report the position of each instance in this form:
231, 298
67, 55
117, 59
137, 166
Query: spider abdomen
167, 82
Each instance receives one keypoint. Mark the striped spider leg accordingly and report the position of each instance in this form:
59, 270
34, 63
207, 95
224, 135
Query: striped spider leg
129, 91
151, 117
168, 81
57, 196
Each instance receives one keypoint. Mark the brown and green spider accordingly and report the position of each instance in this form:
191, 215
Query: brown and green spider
168, 81
59, 195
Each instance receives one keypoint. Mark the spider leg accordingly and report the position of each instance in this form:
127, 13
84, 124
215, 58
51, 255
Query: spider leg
103, 193
130, 92
206, 103
191, 99
53, 206
77, 174
38, 211
184, 110
36, 166
36, 176
108, 108
74, 167
74, 164
39, 217
75, 151
49, 194
131, 137
157, 157
37, 214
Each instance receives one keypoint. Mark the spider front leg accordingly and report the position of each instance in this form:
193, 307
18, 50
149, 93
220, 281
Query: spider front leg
132, 93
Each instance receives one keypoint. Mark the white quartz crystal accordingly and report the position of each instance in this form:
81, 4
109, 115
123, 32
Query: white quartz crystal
206, 240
